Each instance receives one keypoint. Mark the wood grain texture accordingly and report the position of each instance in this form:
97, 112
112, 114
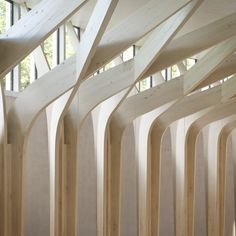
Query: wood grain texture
33, 29
218, 113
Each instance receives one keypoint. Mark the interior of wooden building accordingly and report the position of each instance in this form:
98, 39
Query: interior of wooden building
117, 117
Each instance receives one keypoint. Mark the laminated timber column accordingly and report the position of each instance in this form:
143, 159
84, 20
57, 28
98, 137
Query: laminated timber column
116, 127
70, 126
145, 102
57, 76
214, 132
206, 70
12, 57
93, 33
126, 69
184, 108
219, 112
3, 162
68, 169
85, 94
228, 91
27, 116
201, 71
234, 169
222, 159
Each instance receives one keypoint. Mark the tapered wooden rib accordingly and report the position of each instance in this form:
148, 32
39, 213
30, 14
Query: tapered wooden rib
227, 68
24, 36
3, 163
216, 56
139, 68
96, 27
181, 109
18, 44
229, 89
185, 107
194, 42
149, 51
56, 78
221, 175
138, 25
219, 112
20, 173
22, 114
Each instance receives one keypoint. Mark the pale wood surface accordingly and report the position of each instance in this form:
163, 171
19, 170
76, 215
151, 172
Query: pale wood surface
216, 56
149, 51
3, 162
218, 113
32, 29
167, 119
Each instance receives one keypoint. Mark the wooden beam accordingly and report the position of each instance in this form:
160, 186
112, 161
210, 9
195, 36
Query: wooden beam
66, 205
148, 100
148, 53
217, 55
140, 23
227, 68
194, 42
67, 70
74, 38
229, 89
32, 29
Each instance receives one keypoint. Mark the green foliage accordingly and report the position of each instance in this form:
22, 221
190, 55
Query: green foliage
25, 72
2, 16
48, 50
175, 71
69, 48
144, 84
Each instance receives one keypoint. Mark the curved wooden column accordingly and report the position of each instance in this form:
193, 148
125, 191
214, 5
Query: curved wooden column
223, 139
56, 77
27, 118
112, 217
71, 169
3, 163
30, 123
124, 113
234, 175
218, 113
180, 110
66, 162
205, 72
86, 49
60, 105
185, 107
